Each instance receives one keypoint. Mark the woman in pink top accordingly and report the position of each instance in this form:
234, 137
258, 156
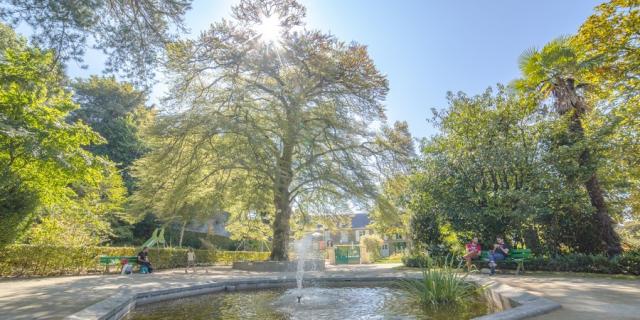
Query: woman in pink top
473, 251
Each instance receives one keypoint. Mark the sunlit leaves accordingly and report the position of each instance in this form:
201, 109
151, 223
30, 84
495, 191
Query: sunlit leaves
43, 166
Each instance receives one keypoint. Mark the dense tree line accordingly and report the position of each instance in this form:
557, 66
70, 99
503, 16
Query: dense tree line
66, 146
551, 160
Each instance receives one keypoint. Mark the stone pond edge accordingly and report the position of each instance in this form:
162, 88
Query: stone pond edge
523, 304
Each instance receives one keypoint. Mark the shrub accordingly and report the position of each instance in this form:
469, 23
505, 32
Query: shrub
29, 260
373, 245
627, 263
416, 260
420, 259
442, 285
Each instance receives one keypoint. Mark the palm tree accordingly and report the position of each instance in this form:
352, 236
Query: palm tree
555, 71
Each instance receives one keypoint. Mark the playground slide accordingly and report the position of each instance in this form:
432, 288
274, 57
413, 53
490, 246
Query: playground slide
157, 238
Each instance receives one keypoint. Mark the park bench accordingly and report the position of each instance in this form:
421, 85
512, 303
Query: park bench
517, 256
157, 238
108, 261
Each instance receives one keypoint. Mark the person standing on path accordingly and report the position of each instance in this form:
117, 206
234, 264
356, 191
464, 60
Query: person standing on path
191, 261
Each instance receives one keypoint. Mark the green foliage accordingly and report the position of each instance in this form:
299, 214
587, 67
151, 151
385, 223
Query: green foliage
630, 234
488, 173
416, 260
44, 260
17, 203
442, 285
132, 33
9, 39
117, 112
47, 176
373, 244
627, 263
283, 130
610, 36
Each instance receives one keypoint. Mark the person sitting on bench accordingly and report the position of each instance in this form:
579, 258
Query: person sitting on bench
473, 252
143, 260
499, 253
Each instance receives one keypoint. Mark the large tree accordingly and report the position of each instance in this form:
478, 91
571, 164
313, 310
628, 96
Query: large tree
133, 33
612, 36
267, 116
557, 71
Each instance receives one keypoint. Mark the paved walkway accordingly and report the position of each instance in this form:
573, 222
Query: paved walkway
54, 298
583, 298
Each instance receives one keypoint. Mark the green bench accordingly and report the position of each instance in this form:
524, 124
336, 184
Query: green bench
108, 261
518, 256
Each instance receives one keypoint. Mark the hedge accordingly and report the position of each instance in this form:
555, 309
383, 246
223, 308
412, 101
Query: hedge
28, 260
627, 263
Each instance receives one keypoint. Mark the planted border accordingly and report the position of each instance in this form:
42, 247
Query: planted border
29, 260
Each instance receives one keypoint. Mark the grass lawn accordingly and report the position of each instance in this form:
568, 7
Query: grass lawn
396, 258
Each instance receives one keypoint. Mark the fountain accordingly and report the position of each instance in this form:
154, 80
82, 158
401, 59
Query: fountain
304, 261
302, 246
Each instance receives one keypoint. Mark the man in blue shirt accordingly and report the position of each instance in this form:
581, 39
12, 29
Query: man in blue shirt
499, 253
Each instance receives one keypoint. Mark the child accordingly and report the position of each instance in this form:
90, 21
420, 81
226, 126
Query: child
191, 261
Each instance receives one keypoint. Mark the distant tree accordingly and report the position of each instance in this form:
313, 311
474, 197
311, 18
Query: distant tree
9, 39
117, 112
557, 71
132, 33
390, 213
270, 125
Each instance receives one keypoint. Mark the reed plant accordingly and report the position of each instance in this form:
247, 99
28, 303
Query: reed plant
442, 283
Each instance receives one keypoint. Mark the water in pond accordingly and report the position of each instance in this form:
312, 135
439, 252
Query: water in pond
344, 302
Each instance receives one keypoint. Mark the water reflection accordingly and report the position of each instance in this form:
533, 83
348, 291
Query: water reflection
350, 302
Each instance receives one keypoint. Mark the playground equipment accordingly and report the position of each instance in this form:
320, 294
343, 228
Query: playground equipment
157, 239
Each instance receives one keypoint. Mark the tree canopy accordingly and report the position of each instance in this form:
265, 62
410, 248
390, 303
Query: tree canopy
276, 127
46, 175
549, 161
132, 33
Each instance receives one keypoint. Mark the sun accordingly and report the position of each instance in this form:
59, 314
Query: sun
270, 29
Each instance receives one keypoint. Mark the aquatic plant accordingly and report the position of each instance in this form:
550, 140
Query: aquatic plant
442, 284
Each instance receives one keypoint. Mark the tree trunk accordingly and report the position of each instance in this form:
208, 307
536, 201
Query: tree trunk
279, 248
609, 237
184, 226
568, 100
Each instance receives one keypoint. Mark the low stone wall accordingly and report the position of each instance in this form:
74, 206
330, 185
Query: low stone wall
515, 304
278, 266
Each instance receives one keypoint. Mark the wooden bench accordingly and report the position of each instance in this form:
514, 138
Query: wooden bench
108, 261
518, 256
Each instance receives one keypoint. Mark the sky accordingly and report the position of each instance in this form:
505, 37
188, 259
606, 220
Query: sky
425, 47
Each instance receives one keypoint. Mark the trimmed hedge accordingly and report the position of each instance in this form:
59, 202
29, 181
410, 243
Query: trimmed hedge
628, 263
28, 260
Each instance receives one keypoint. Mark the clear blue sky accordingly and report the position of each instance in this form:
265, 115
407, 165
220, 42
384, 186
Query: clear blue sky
427, 47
